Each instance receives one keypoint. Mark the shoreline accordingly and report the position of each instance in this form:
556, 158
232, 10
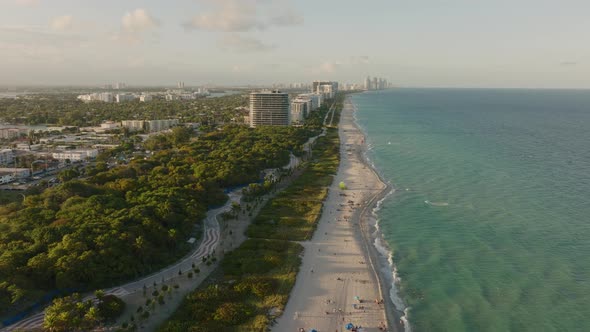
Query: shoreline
369, 227
339, 280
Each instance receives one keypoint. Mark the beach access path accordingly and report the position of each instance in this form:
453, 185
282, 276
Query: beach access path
337, 283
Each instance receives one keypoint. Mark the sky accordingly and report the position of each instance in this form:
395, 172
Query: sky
426, 43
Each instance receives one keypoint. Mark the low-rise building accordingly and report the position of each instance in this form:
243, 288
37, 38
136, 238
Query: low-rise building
145, 98
106, 97
12, 133
17, 173
28, 147
160, 125
133, 125
76, 155
6, 178
6, 156
123, 97
109, 125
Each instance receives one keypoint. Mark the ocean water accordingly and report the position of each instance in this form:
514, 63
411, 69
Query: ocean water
490, 221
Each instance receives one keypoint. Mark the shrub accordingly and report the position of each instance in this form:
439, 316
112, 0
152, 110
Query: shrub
232, 313
110, 307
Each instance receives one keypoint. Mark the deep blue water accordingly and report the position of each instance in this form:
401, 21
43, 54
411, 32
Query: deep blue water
490, 222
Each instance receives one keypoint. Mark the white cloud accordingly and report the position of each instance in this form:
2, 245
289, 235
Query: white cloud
29, 3
136, 62
287, 18
126, 38
359, 60
242, 16
242, 68
62, 23
36, 44
138, 21
238, 43
231, 16
568, 63
327, 67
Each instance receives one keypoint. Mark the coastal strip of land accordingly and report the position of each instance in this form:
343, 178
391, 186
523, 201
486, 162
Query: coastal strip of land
338, 283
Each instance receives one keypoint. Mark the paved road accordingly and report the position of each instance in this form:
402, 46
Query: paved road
207, 246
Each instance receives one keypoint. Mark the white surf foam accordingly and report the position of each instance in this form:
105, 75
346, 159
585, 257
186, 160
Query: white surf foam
436, 203
387, 267
405, 321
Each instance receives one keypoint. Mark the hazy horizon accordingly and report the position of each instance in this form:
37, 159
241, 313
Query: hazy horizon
454, 43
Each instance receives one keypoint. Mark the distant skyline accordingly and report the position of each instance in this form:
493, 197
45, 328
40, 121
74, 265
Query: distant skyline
441, 43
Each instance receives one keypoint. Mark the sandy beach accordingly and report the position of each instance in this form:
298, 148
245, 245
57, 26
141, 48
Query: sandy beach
338, 283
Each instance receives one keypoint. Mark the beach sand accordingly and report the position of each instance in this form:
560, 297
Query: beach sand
338, 283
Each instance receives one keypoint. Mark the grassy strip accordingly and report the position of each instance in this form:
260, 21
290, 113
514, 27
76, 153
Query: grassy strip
259, 275
292, 215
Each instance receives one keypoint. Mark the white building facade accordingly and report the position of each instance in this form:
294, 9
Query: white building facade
133, 125
145, 98
76, 155
160, 125
298, 112
6, 156
123, 97
269, 108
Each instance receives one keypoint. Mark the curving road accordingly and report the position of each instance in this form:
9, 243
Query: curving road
207, 246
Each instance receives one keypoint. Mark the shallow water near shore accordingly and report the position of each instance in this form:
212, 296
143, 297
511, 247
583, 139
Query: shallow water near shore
489, 224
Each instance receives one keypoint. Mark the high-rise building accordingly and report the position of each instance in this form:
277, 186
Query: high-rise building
298, 112
123, 97
316, 86
106, 97
180, 85
145, 98
327, 90
269, 108
368, 83
316, 100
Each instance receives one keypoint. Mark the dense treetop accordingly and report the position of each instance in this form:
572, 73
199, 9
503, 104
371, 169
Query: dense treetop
65, 110
123, 222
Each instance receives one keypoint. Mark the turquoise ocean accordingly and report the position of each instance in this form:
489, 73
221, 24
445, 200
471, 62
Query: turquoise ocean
489, 224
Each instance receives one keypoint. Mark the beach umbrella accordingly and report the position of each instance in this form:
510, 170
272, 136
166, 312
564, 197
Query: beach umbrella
313, 330
342, 185
349, 326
